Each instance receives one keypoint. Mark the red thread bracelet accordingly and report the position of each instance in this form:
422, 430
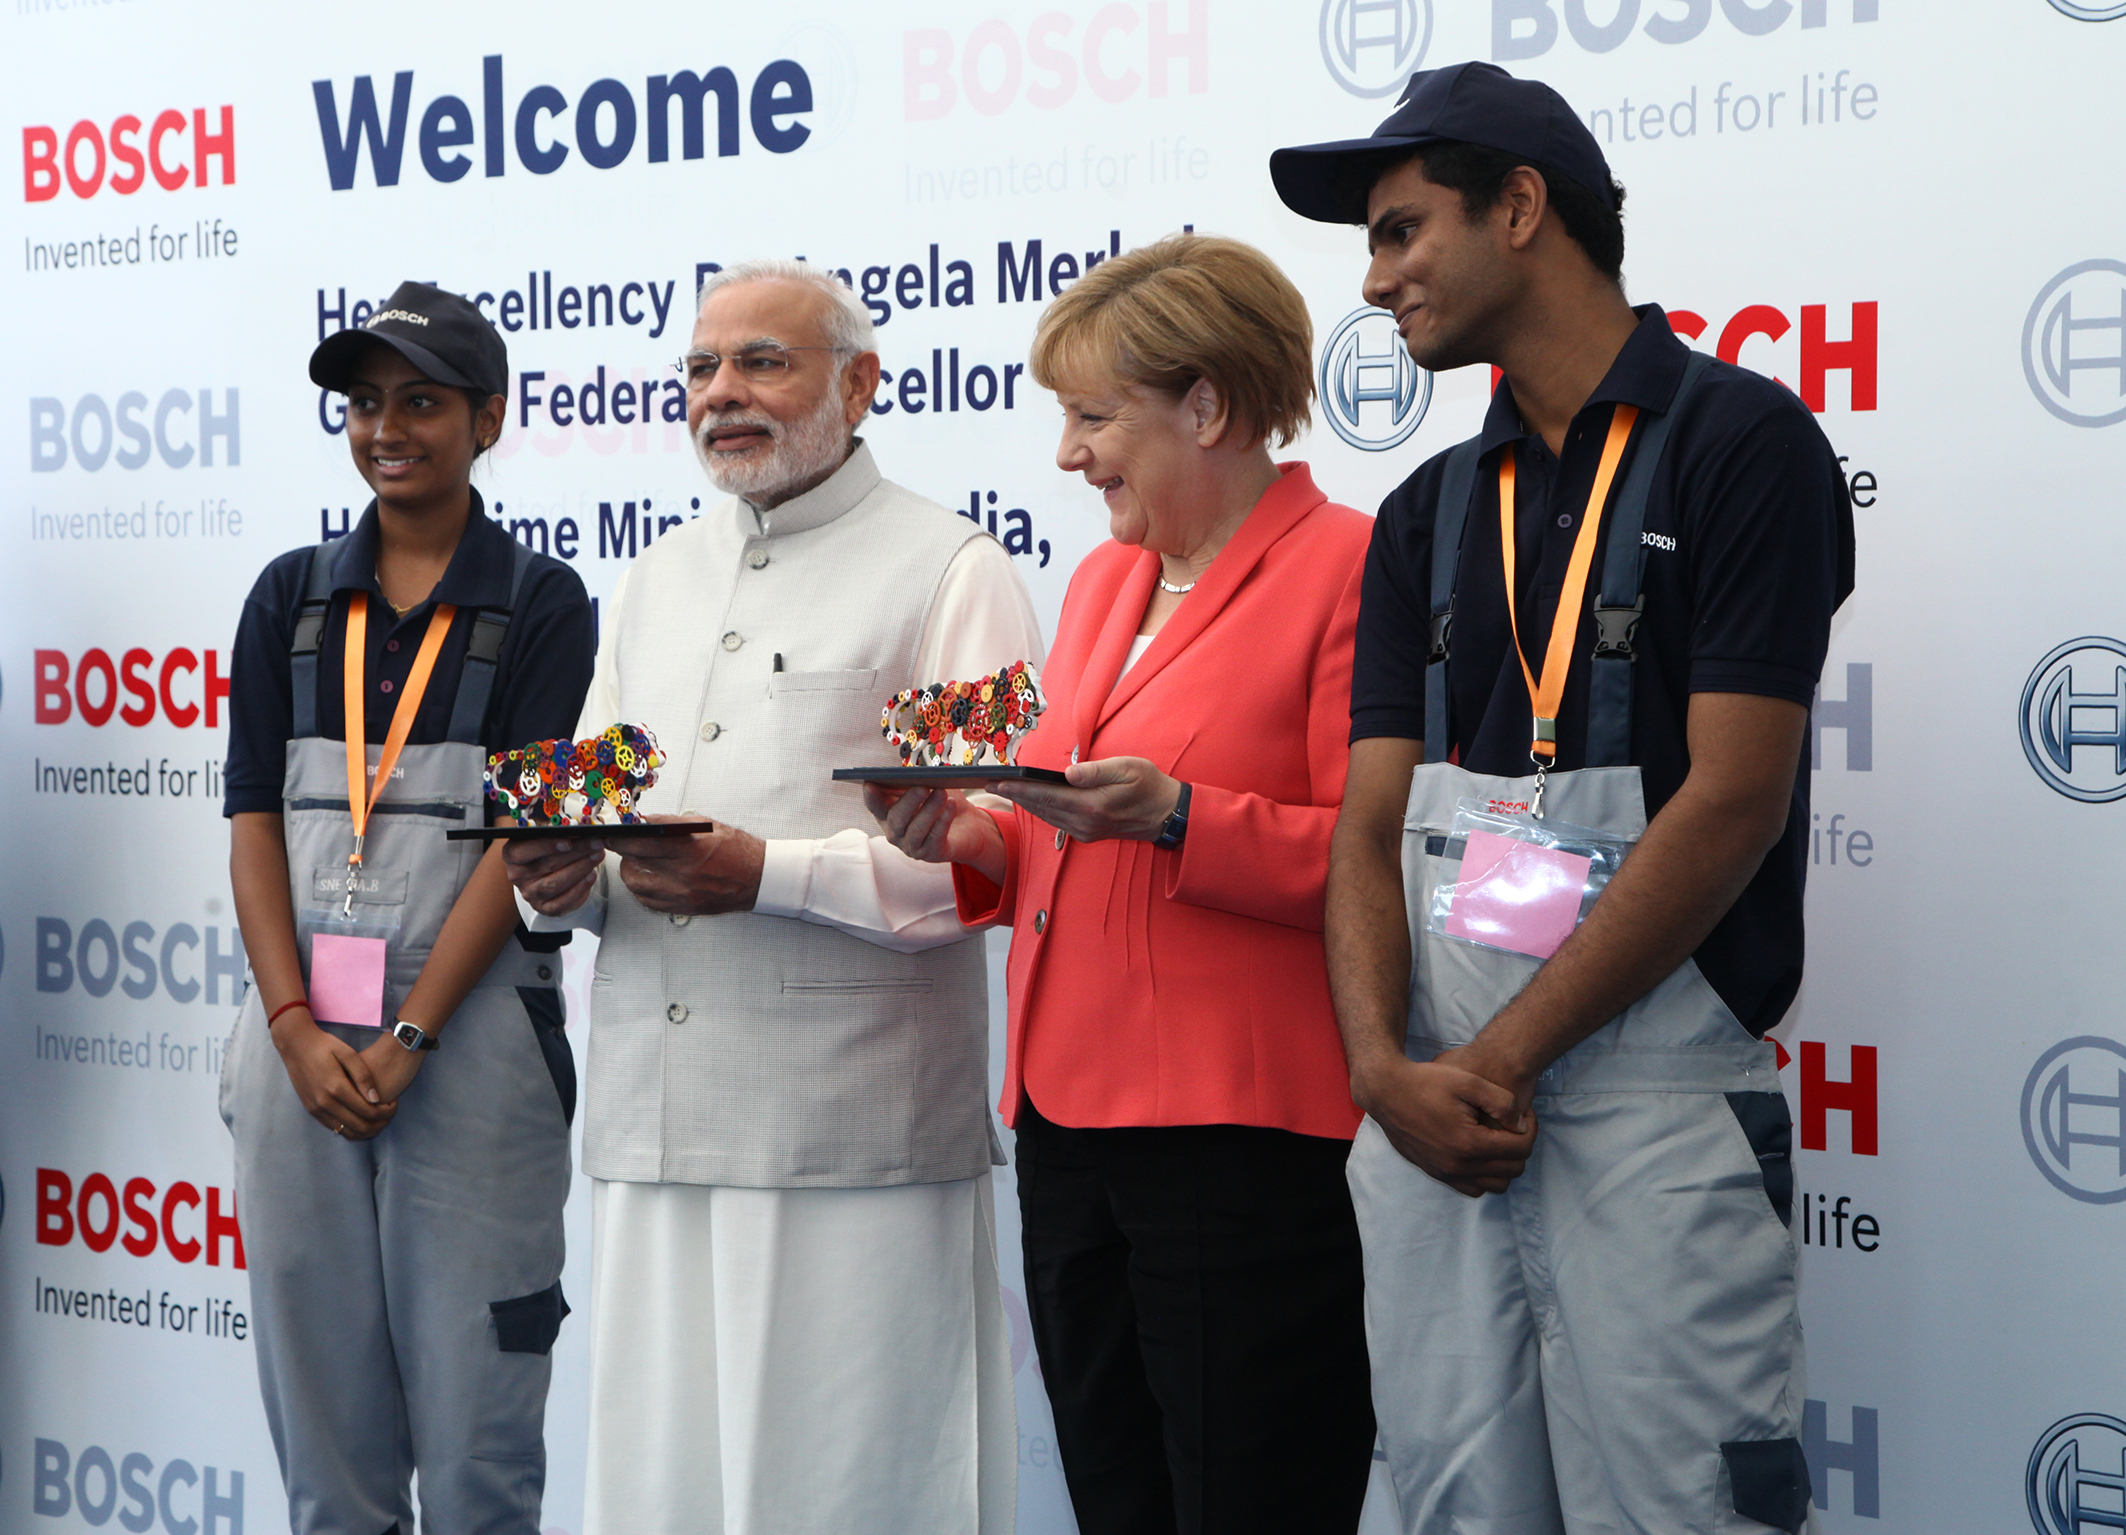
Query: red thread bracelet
285, 1007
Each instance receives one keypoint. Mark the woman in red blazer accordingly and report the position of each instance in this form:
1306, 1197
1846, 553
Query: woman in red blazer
1174, 1074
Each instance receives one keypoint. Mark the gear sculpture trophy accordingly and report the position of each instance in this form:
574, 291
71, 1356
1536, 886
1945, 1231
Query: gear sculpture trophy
563, 788
955, 734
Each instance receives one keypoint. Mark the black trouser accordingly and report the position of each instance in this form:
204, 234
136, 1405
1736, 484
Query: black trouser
1197, 1299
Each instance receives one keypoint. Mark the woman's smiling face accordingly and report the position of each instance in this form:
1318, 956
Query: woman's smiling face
1140, 449
413, 439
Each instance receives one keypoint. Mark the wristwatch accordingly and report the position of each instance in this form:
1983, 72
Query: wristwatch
1175, 827
412, 1035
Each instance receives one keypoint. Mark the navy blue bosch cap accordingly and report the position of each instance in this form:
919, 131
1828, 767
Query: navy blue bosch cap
440, 333
1467, 103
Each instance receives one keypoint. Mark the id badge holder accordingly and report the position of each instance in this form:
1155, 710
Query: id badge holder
1517, 882
348, 962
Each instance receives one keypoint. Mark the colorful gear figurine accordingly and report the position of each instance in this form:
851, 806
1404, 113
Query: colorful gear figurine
576, 783
964, 724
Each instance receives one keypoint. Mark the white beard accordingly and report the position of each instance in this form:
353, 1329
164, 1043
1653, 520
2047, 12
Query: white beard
800, 452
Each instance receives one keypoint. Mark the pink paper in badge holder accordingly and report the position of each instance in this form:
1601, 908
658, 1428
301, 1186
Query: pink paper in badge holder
1515, 895
347, 980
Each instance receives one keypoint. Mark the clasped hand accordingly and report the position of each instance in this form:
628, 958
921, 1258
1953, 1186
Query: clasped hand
705, 874
1450, 1118
353, 1093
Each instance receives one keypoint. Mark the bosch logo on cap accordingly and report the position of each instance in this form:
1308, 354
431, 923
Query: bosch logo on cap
2074, 1119
2074, 341
1372, 46
2076, 1474
1371, 391
2073, 720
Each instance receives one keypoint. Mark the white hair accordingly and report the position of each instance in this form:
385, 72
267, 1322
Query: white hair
846, 321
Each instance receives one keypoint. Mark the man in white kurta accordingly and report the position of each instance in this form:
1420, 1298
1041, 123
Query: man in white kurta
795, 1316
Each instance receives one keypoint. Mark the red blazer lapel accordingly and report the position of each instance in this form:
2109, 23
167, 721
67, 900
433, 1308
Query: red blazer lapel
1280, 509
1103, 663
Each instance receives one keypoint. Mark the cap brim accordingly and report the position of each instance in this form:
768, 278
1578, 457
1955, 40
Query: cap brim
332, 364
1311, 179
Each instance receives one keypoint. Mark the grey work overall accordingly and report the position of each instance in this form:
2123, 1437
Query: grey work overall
1613, 1344
406, 1290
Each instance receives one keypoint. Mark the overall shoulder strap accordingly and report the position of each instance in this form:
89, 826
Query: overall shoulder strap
309, 635
1450, 518
1622, 599
476, 681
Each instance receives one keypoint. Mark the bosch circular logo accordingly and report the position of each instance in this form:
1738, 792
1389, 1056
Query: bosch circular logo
2074, 1118
1372, 46
2074, 720
1372, 393
2077, 1457
2080, 10
2074, 339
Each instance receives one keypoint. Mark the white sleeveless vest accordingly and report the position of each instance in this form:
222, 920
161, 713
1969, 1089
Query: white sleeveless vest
762, 1051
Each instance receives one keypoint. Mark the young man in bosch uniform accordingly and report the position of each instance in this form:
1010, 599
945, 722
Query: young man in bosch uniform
1609, 1342
401, 1208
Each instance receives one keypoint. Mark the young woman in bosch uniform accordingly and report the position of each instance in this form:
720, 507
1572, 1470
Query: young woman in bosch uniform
396, 1083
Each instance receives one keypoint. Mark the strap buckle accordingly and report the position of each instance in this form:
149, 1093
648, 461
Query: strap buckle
309, 629
1616, 628
1442, 633
488, 628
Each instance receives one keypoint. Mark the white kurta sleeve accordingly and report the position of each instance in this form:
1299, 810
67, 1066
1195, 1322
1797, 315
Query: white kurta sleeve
601, 707
981, 619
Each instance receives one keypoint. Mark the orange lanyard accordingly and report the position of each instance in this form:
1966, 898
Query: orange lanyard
1547, 694
353, 663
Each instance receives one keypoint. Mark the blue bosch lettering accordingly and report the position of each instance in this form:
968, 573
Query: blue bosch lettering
184, 964
608, 119
1859, 1456
182, 428
1528, 29
180, 1499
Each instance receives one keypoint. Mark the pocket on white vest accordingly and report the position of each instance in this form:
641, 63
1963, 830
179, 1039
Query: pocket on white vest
780, 683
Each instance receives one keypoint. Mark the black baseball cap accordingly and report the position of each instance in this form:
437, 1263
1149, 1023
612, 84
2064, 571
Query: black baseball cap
440, 333
1470, 103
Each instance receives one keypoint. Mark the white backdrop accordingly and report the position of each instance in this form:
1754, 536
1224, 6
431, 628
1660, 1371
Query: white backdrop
1904, 211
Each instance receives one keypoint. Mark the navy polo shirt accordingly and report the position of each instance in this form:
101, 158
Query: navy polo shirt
1749, 550
541, 676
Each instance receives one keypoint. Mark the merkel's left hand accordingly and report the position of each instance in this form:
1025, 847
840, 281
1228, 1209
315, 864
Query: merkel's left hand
1111, 797
703, 875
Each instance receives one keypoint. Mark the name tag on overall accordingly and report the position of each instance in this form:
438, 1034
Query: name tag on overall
1516, 896
372, 887
1521, 883
347, 979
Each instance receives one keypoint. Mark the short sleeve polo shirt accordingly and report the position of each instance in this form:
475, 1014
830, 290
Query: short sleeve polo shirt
1748, 552
541, 676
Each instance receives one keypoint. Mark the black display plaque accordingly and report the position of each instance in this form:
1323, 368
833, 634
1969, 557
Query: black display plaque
602, 832
947, 777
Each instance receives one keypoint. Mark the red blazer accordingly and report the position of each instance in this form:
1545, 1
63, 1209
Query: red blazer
1189, 988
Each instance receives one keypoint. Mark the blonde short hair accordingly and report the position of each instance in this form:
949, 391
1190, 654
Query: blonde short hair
1184, 308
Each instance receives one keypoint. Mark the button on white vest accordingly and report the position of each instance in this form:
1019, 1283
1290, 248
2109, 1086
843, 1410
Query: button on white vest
763, 1051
